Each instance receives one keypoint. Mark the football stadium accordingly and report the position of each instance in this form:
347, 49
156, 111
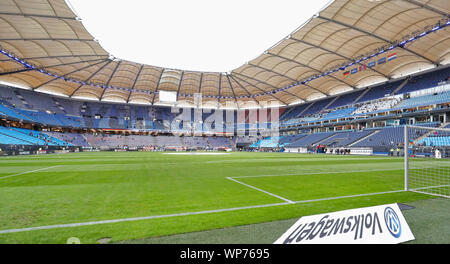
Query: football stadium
347, 114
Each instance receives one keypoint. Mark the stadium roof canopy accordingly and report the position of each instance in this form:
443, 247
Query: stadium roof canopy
45, 47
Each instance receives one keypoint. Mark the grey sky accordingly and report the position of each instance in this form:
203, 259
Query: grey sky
203, 35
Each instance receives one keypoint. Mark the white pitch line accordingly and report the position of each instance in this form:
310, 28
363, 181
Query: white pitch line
261, 190
346, 196
17, 230
311, 173
27, 172
418, 190
135, 218
431, 187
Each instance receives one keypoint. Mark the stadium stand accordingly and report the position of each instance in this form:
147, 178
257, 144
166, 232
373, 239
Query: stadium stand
344, 139
377, 105
310, 139
344, 112
425, 100
52, 111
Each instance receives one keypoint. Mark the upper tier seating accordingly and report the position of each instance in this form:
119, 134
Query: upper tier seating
425, 100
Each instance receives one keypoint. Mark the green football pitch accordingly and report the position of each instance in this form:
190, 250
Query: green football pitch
133, 195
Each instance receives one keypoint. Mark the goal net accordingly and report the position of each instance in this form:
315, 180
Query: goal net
427, 161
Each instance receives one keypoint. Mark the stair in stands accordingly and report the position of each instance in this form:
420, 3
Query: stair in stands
401, 86
443, 125
306, 109
23, 140
362, 95
322, 140
363, 138
331, 102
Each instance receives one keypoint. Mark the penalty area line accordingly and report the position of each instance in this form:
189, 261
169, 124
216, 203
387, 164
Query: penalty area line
311, 173
27, 172
261, 190
135, 218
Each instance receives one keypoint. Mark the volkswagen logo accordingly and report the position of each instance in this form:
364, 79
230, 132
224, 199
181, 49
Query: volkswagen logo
392, 222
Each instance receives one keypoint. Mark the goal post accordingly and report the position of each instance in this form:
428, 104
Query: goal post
427, 160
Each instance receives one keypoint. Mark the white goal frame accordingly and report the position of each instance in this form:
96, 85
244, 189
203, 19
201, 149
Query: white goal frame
407, 163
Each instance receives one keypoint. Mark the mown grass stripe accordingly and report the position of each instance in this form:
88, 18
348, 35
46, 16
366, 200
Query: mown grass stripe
186, 214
